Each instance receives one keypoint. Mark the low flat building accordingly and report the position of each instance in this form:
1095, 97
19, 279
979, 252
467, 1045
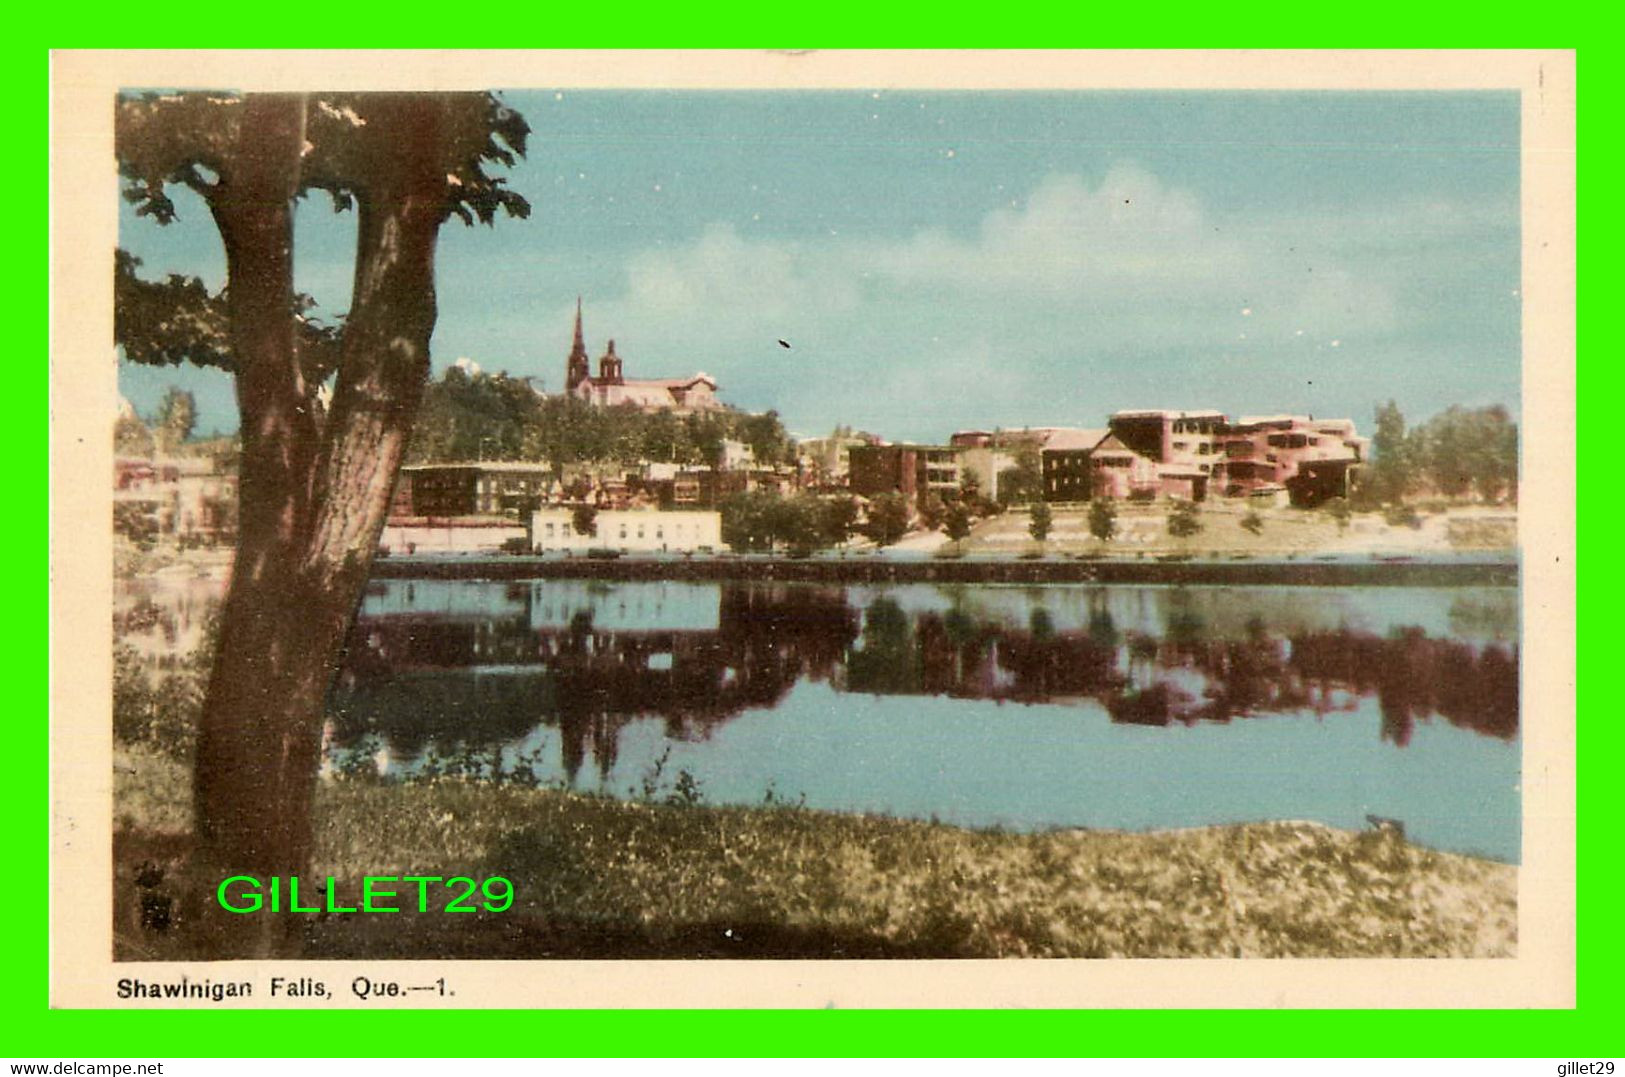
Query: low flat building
449, 534
627, 530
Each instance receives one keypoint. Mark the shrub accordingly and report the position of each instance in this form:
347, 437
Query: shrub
1041, 522
1102, 519
1182, 520
1402, 516
932, 510
888, 519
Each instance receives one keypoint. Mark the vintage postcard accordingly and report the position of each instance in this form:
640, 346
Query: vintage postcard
813, 529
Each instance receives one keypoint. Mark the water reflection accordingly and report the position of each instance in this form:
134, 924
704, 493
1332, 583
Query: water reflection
697, 655
432, 665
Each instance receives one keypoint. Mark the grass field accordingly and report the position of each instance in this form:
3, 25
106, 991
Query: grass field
1142, 530
603, 878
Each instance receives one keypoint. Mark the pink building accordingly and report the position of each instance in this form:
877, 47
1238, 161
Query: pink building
1189, 454
1311, 459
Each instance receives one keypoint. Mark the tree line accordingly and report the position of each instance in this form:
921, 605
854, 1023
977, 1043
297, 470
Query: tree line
1458, 453
476, 416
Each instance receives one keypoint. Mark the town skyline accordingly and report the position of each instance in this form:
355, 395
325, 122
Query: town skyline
942, 261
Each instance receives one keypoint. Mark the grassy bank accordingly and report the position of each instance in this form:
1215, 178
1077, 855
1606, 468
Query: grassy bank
1142, 530
603, 878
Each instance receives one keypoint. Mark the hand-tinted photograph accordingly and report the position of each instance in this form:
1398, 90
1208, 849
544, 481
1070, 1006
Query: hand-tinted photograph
818, 524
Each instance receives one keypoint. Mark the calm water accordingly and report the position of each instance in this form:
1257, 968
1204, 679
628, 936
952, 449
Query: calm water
1023, 707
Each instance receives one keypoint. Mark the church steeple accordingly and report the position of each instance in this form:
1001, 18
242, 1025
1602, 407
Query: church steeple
609, 367
576, 367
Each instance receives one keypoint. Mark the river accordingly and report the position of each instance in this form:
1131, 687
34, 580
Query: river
1023, 707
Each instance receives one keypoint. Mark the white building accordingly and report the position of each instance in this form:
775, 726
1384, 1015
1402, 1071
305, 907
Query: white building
466, 535
628, 530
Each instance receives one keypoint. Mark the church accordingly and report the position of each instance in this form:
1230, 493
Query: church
612, 388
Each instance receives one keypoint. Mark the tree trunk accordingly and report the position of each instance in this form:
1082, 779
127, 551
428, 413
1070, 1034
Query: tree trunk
314, 495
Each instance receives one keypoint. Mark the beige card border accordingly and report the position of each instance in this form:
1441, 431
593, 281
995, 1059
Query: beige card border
84, 398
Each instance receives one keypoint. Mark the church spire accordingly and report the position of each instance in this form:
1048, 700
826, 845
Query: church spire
576, 369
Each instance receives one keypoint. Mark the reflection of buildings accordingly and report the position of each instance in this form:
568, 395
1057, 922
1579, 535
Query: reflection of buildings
449, 663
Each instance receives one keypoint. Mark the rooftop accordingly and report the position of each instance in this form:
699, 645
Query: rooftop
483, 465
1075, 439
1168, 413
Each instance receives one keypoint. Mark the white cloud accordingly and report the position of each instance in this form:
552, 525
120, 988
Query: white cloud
1044, 302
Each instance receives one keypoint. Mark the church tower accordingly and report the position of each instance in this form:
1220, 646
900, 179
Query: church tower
576, 368
609, 367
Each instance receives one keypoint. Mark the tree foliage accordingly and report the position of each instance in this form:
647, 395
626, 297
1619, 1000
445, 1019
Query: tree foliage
1464, 451
474, 417
956, 522
325, 410
932, 509
760, 521
887, 519
1023, 482
1457, 453
177, 418
838, 518
131, 437
471, 416
1183, 520
1102, 519
1041, 522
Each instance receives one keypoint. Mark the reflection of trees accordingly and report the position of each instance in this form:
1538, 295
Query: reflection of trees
485, 679
1415, 677
1189, 675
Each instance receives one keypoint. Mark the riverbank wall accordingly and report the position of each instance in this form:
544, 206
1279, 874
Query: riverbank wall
1417, 573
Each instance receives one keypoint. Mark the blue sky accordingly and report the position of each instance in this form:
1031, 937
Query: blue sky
941, 260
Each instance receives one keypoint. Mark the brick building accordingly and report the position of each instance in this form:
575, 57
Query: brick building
503, 488
909, 470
